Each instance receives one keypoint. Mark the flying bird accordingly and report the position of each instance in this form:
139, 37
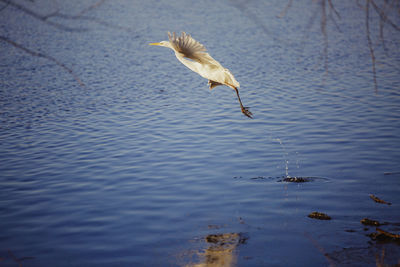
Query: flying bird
193, 55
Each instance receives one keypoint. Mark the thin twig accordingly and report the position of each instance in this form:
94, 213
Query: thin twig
247, 12
380, 261
18, 260
333, 8
381, 25
359, 5
38, 54
77, 16
308, 26
43, 18
390, 173
325, 35
88, 18
383, 15
284, 11
95, 5
4, 7
80, 16
371, 49
320, 248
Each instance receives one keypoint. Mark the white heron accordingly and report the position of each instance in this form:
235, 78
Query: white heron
193, 55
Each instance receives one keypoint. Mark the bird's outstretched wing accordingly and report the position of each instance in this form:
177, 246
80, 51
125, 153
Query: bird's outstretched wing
188, 47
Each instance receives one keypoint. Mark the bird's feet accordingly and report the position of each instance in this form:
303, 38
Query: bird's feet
247, 112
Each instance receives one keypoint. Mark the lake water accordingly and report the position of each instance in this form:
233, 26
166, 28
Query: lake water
145, 166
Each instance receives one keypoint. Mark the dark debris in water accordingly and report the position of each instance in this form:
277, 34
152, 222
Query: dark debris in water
226, 240
17, 260
220, 250
298, 179
384, 236
319, 216
287, 179
391, 173
378, 200
260, 178
370, 222
214, 226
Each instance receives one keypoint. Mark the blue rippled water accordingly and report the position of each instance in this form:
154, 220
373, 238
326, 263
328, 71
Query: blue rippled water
145, 166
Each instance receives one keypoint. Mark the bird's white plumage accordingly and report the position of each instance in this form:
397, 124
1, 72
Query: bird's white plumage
194, 55
204, 64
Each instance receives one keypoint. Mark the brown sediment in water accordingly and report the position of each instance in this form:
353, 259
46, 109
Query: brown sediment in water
319, 216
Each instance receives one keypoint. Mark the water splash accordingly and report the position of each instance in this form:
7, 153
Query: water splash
285, 157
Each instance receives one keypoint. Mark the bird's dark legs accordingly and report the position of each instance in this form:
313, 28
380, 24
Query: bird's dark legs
245, 110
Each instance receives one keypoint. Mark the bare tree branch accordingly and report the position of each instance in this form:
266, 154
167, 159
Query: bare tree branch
383, 15
77, 16
89, 8
381, 25
359, 5
46, 19
93, 19
371, 49
42, 18
333, 8
325, 35
18, 260
38, 54
308, 26
81, 16
241, 6
320, 248
4, 7
284, 11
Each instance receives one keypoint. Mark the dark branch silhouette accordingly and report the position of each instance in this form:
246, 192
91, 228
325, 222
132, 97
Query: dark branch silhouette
18, 260
42, 18
88, 18
89, 8
38, 54
46, 18
324, 34
333, 8
383, 15
332, 17
284, 11
4, 7
241, 6
330, 13
81, 16
371, 49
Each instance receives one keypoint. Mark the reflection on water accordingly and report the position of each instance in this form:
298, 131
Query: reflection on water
221, 251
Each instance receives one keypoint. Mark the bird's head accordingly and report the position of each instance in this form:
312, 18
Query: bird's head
162, 43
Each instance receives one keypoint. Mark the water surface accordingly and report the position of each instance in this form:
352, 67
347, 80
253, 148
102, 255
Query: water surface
145, 166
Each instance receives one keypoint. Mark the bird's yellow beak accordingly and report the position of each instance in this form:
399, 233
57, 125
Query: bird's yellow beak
155, 44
